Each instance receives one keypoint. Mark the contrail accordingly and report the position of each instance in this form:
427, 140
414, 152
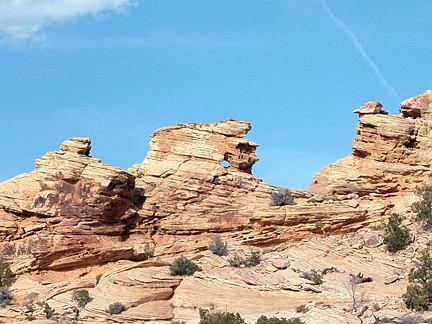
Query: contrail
360, 48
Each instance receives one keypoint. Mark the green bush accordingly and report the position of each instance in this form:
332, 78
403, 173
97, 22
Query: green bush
253, 260
250, 261
376, 307
281, 197
81, 297
414, 298
116, 308
236, 260
209, 316
30, 309
148, 250
423, 208
317, 277
30, 317
274, 320
47, 310
183, 266
217, 246
396, 236
419, 294
314, 276
6, 274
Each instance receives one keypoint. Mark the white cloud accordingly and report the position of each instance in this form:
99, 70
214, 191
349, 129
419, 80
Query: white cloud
22, 19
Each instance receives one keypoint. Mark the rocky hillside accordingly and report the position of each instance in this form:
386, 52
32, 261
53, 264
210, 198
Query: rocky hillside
75, 223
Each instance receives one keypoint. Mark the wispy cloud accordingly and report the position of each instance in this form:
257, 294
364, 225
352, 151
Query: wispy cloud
24, 19
361, 50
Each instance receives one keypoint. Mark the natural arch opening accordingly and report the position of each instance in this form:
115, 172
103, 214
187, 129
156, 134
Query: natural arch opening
225, 164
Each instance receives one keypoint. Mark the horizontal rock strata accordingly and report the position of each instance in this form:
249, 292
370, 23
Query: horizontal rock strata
76, 223
183, 188
390, 154
70, 211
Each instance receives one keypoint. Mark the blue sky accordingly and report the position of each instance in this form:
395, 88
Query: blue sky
117, 70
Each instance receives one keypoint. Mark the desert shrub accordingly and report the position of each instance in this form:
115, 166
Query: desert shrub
81, 297
236, 260
281, 197
6, 274
148, 250
313, 275
183, 266
116, 308
376, 307
414, 298
209, 316
396, 236
317, 277
30, 317
419, 295
423, 208
98, 278
253, 260
358, 299
30, 309
47, 310
250, 261
70, 316
217, 246
274, 320
320, 225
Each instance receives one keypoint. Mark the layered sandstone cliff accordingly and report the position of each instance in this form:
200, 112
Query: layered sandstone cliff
390, 154
70, 211
73, 210
76, 223
182, 188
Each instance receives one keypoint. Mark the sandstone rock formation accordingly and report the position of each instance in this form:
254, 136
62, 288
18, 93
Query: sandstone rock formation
76, 223
73, 210
69, 211
151, 294
390, 154
182, 189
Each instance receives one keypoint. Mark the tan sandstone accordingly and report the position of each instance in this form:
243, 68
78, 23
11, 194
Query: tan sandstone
76, 223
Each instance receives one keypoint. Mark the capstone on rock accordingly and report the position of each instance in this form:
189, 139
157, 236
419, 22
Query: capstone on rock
79, 145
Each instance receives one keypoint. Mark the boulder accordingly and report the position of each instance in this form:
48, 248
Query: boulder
371, 107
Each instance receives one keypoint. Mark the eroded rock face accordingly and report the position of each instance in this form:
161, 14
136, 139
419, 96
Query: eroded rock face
182, 185
74, 211
390, 154
182, 189
85, 225
61, 214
